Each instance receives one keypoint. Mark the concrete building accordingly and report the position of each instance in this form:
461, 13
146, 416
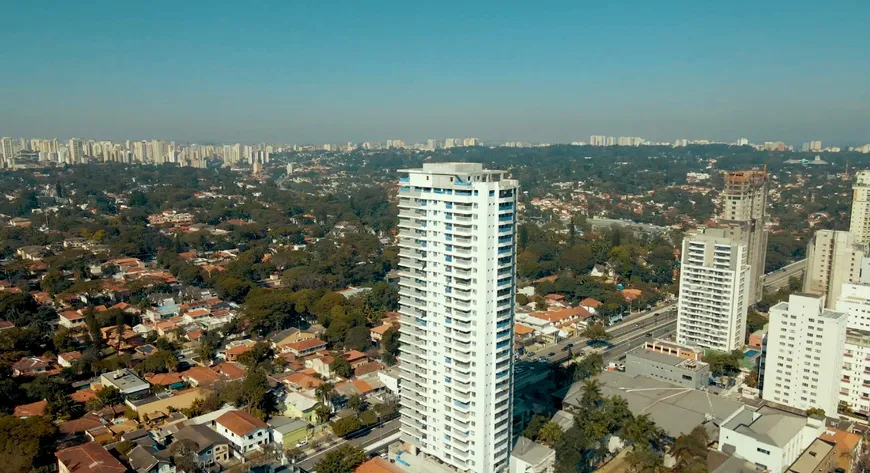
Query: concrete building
817, 458
668, 368
714, 291
674, 409
859, 224
531, 457
854, 385
457, 226
771, 438
804, 354
833, 259
125, 381
744, 214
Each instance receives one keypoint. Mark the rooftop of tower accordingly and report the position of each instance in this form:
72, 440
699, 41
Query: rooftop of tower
452, 168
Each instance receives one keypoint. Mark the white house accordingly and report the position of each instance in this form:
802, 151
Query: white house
244, 431
770, 438
532, 457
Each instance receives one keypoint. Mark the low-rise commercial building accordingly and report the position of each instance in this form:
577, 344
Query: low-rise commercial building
531, 457
668, 368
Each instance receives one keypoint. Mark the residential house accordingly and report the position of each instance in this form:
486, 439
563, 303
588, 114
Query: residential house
321, 365
158, 406
282, 339
212, 447
244, 431
377, 333
31, 253
230, 371
287, 431
71, 319
149, 460
30, 410
591, 305
238, 349
300, 406
531, 457
67, 359
88, 458
201, 376
355, 358
33, 366
306, 347
167, 380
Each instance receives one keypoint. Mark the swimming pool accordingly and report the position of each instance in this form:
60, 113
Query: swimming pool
750, 353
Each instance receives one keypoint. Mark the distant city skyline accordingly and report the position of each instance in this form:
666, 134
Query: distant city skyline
338, 72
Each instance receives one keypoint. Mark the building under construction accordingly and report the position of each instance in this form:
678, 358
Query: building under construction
744, 216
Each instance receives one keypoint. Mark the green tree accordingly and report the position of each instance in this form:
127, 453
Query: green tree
644, 460
690, 447
390, 343
533, 428
815, 412
161, 361
325, 392
368, 418
322, 412
260, 355
642, 432
26, 444
596, 333
343, 459
550, 433
358, 338
108, 396
62, 407
345, 426
341, 367
356, 403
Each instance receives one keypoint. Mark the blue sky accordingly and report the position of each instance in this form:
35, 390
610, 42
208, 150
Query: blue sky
375, 70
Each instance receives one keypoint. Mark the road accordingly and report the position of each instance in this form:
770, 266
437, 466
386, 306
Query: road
621, 347
372, 437
632, 323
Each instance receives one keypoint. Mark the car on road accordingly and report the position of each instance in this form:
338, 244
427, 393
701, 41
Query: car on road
301, 443
543, 359
569, 345
552, 353
566, 348
649, 334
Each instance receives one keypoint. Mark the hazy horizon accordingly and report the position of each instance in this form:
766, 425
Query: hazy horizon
335, 72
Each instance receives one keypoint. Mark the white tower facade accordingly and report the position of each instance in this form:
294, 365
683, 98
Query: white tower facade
805, 347
714, 291
457, 231
859, 223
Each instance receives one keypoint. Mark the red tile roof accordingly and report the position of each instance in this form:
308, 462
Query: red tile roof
240, 422
520, 329
307, 344
354, 355
31, 410
83, 395
367, 368
89, 458
590, 302
81, 424
164, 379
378, 465
230, 370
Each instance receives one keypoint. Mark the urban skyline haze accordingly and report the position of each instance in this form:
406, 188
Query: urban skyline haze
335, 72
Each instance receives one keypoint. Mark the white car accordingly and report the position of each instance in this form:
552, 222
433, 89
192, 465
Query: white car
301, 443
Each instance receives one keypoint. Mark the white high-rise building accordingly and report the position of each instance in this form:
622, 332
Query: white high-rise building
714, 291
597, 140
833, 259
457, 227
742, 141
854, 388
860, 220
804, 357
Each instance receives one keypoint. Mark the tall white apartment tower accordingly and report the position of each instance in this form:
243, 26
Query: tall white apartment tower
859, 224
805, 346
714, 291
833, 259
457, 227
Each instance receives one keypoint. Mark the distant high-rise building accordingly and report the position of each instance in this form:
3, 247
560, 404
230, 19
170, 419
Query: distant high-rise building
395, 144
470, 142
805, 147
457, 260
815, 145
157, 152
611, 141
833, 259
431, 144
714, 290
742, 141
855, 302
744, 211
804, 354
859, 224
7, 148
598, 140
